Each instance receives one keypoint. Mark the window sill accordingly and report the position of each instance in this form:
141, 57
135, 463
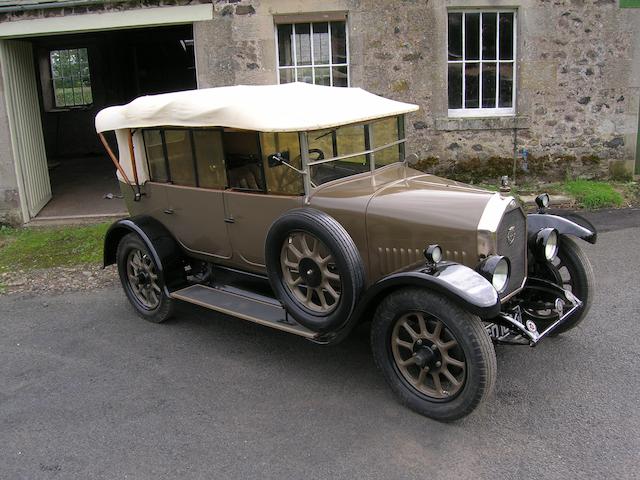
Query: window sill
483, 123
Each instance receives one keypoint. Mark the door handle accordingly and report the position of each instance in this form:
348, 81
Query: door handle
229, 220
169, 211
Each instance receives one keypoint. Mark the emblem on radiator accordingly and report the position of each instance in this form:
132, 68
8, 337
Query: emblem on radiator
511, 234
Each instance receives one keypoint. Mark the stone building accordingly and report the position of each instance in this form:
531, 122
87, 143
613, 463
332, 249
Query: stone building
557, 79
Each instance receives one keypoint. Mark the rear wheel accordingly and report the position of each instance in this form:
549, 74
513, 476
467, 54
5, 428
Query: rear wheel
142, 280
435, 356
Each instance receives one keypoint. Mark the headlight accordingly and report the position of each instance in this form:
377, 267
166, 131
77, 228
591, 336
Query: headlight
543, 200
545, 244
433, 253
496, 269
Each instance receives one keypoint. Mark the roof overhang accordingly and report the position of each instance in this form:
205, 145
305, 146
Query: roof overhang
91, 22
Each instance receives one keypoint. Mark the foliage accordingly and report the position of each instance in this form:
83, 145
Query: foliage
591, 194
44, 247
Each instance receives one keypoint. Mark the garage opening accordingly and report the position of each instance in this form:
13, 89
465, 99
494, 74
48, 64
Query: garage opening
78, 75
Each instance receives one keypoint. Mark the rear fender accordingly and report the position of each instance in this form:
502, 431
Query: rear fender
574, 225
164, 249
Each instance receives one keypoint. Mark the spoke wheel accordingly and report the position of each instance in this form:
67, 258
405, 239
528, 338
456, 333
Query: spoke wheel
310, 272
428, 355
437, 357
143, 278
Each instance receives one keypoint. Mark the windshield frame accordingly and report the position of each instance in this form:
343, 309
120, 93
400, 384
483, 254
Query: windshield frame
369, 152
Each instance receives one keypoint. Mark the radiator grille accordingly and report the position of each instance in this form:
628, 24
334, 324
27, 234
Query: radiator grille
514, 227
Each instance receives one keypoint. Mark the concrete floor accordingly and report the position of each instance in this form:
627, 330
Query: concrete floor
79, 186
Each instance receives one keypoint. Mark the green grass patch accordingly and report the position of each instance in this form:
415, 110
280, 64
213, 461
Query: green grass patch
591, 194
31, 248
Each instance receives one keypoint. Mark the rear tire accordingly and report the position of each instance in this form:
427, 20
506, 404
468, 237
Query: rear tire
142, 280
446, 342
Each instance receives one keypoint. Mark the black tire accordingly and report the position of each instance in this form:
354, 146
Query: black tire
474, 346
129, 244
572, 271
346, 264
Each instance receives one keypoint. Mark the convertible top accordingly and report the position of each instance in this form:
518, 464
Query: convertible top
289, 107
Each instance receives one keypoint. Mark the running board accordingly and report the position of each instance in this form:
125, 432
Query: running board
248, 306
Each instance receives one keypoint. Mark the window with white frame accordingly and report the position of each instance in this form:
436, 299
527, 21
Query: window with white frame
481, 62
313, 52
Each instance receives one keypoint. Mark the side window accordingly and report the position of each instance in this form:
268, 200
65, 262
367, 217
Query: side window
209, 158
244, 162
155, 156
282, 179
180, 157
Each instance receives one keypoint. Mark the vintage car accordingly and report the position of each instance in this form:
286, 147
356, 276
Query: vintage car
293, 206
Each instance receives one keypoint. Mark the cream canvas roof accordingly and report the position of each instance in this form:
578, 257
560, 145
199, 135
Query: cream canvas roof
266, 108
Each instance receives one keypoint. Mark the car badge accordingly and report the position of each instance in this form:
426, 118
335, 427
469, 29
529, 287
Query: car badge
511, 234
531, 326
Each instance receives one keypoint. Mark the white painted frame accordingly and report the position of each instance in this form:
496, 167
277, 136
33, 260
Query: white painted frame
295, 67
484, 112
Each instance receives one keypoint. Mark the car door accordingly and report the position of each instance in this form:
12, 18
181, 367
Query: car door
255, 197
193, 165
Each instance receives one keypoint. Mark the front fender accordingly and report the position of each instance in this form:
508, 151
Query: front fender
457, 282
580, 228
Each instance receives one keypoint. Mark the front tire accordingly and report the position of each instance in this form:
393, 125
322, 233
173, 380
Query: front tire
142, 280
436, 357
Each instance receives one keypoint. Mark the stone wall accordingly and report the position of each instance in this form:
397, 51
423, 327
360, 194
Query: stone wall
578, 76
577, 84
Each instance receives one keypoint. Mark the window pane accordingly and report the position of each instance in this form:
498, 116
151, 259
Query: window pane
472, 36
505, 99
489, 36
338, 42
303, 44
506, 36
455, 85
472, 85
384, 132
321, 44
455, 36
305, 75
155, 156
180, 156
285, 55
209, 158
71, 77
322, 76
488, 85
287, 75
340, 77
244, 164
282, 179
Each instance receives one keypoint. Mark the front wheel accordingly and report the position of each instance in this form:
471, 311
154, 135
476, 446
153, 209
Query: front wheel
436, 357
142, 280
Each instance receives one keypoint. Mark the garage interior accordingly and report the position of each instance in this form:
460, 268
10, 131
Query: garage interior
78, 75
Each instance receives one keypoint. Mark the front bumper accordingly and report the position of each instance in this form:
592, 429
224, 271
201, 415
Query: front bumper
516, 329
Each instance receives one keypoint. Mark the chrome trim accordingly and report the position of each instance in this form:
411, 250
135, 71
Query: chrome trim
489, 222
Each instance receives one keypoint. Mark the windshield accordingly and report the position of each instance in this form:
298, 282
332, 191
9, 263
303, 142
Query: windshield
351, 149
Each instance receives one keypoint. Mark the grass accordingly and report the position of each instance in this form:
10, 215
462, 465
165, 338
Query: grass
31, 248
592, 194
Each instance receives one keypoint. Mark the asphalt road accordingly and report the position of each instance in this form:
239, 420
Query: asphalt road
88, 390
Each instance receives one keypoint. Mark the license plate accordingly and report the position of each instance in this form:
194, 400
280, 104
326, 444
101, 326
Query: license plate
496, 331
